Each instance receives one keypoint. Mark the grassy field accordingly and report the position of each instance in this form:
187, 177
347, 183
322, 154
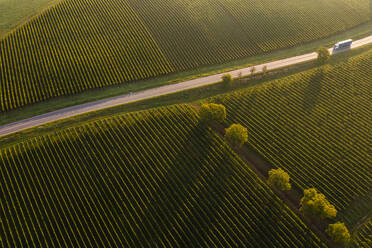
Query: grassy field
94, 44
316, 125
147, 179
16, 12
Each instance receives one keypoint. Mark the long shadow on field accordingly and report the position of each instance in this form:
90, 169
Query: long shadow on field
246, 103
312, 91
184, 207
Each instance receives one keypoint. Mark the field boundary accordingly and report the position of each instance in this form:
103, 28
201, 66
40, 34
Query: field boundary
192, 97
61, 102
30, 17
156, 92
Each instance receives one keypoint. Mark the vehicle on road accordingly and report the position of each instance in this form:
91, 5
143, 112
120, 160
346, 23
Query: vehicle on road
342, 46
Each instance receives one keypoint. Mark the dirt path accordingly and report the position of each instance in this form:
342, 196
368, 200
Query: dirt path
292, 198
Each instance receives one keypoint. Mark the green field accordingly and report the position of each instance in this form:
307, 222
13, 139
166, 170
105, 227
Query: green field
157, 177
147, 179
15, 12
316, 125
79, 45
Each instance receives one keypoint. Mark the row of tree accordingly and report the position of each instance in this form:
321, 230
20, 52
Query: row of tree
323, 55
236, 134
313, 204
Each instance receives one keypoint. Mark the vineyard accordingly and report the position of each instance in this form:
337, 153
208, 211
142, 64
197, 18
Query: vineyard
75, 46
286, 23
148, 179
364, 237
316, 125
79, 45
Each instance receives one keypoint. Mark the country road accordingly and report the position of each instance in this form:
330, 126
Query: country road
155, 92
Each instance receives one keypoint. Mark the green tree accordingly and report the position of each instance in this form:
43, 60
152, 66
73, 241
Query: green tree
323, 55
315, 205
212, 112
226, 79
279, 179
339, 233
264, 70
236, 135
240, 76
253, 69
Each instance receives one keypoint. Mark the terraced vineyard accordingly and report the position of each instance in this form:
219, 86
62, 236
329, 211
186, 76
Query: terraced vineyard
147, 179
316, 125
79, 45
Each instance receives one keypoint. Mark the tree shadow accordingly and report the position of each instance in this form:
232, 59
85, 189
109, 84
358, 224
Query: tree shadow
312, 91
246, 102
186, 201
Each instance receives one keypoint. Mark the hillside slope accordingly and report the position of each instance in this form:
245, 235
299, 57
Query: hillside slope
79, 45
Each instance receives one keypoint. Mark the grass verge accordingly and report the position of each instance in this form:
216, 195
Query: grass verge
97, 94
188, 96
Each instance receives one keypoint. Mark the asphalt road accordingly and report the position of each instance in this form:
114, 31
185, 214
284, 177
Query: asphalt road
155, 92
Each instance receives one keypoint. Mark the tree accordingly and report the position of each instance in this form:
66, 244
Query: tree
315, 205
212, 112
237, 135
226, 79
279, 179
339, 233
240, 76
323, 55
264, 70
253, 69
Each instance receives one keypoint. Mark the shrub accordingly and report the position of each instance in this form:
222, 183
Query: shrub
339, 233
315, 205
240, 76
264, 70
236, 135
226, 79
323, 55
212, 112
279, 179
